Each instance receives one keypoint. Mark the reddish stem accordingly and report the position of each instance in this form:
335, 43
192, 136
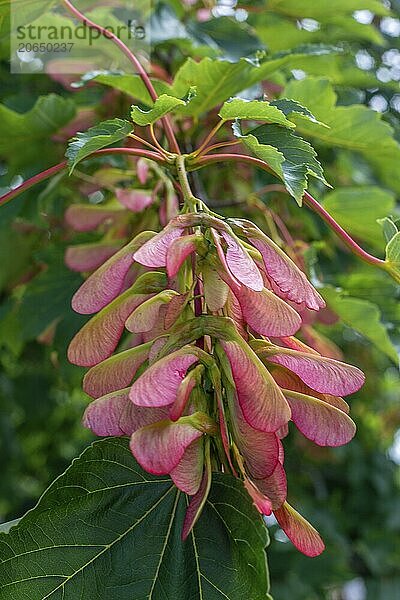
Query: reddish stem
206, 160
155, 140
32, 181
134, 151
136, 63
143, 142
219, 145
308, 200
209, 137
62, 165
350, 243
272, 187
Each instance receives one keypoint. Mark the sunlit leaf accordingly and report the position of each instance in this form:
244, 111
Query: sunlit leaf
236, 108
162, 106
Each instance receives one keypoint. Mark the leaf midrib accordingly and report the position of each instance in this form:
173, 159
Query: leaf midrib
200, 574
173, 513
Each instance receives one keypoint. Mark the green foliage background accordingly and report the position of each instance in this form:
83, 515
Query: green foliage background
313, 50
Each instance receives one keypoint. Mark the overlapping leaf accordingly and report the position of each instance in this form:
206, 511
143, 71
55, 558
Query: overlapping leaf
393, 256
237, 108
132, 85
355, 128
217, 81
292, 158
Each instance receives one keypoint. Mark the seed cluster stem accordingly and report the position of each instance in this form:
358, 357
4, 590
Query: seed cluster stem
189, 198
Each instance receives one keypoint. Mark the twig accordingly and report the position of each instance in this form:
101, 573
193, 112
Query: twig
308, 200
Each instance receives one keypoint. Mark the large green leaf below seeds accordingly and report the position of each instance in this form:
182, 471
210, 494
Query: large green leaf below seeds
106, 530
356, 128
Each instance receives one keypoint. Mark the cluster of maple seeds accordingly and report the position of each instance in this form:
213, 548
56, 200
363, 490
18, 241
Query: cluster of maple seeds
210, 375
